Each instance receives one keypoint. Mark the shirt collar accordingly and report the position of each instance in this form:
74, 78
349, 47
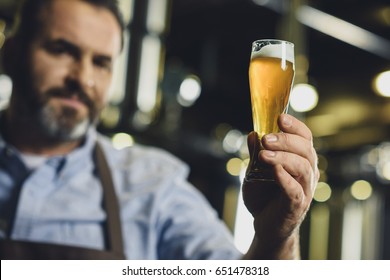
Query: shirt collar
77, 158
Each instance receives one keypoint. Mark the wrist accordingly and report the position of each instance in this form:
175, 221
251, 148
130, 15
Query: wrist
286, 249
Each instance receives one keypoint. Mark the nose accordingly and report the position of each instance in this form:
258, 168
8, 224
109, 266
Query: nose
82, 73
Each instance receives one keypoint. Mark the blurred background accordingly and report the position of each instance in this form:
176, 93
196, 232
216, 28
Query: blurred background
182, 84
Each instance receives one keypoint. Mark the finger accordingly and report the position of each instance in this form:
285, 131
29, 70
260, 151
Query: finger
253, 144
299, 201
291, 143
298, 168
289, 124
251, 140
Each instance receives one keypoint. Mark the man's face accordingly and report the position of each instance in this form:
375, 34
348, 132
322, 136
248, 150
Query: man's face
71, 63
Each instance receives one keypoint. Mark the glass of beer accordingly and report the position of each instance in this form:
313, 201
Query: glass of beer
271, 75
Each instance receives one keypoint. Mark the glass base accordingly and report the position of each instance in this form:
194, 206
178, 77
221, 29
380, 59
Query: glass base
259, 171
260, 175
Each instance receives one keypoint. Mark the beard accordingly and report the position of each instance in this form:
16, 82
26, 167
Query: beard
64, 124
63, 127
59, 123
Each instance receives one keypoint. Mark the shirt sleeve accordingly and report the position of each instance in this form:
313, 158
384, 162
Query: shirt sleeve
190, 227
163, 215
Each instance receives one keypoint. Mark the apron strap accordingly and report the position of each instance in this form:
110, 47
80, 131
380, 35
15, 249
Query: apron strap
113, 229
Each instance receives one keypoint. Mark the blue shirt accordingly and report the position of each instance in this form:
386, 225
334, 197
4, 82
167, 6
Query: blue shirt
162, 215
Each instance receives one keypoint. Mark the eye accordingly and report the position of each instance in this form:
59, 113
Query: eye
103, 62
59, 47
56, 48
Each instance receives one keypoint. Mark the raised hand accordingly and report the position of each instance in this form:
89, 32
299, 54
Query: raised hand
280, 206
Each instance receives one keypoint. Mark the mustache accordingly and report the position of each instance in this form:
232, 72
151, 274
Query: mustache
65, 92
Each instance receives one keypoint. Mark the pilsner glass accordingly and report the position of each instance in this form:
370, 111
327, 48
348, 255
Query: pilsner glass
271, 75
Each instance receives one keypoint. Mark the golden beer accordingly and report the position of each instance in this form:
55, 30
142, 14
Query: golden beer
270, 86
271, 75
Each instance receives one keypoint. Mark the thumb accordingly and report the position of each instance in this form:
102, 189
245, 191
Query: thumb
253, 143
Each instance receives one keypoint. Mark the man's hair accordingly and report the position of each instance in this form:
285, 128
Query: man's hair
29, 21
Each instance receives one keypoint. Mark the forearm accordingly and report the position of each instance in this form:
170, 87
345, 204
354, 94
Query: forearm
261, 249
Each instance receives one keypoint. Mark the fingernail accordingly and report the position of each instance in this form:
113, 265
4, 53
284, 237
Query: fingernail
268, 153
270, 138
287, 121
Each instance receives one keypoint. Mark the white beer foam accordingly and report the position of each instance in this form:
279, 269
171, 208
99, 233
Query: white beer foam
283, 51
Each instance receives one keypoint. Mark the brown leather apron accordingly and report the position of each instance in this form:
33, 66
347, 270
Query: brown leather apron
19, 250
